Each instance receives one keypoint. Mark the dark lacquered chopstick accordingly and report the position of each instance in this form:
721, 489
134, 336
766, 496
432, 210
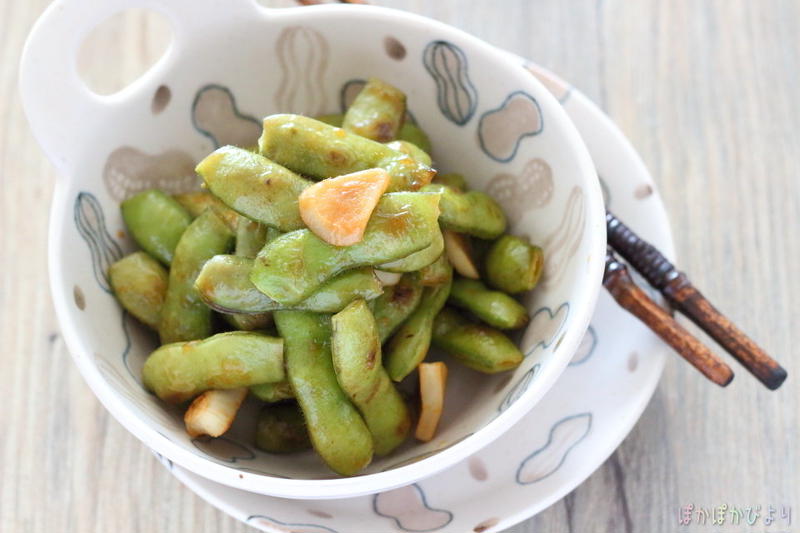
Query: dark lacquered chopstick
684, 297
629, 296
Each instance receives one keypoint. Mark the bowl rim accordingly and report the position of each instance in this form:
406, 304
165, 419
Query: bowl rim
359, 485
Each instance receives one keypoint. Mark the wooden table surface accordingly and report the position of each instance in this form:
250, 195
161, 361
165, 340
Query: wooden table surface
707, 92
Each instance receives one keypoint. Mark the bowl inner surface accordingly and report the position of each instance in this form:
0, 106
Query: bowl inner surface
486, 119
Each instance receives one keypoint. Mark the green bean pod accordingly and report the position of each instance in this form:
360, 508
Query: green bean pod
315, 149
513, 265
282, 429
295, 264
184, 316
156, 222
356, 350
397, 302
473, 212
224, 285
254, 186
420, 259
411, 149
140, 284
453, 180
496, 308
198, 201
410, 343
378, 111
436, 273
477, 346
179, 371
337, 431
408, 132
273, 392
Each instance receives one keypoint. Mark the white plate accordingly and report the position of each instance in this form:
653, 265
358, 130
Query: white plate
568, 435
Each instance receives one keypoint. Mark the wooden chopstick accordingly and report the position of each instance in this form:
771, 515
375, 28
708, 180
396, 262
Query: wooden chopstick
684, 297
628, 295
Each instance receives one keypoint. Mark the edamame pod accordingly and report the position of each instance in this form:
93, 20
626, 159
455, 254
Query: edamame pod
333, 119
198, 201
254, 186
397, 302
313, 148
378, 111
248, 322
436, 273
411, 149
409, 345
295, 264
513, 265
156, 222
415, 135
179, 371
420, 259
337, 431
477, 346
473, 212
272, 392
408, 132
496, 308
140, 284
282, 429
453, 180
224, 285
356, 350
251, 236
184, 316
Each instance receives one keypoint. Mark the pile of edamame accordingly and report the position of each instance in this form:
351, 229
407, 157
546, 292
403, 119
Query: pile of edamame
248, 300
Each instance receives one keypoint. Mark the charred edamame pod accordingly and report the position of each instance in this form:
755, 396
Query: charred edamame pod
251, 236
198, 201
282, 429
496, 308
411, 149
378, 111
477, 346
420, 259
224, 284
408, 132
272, 392
295, 264
453, 180
513, 264
313, 148
248, 322
356, 350
436, 273
410, 343
415, 135
140, 284
472, 212
254, 186
397, 302
156, 222
179, 371
184, 316
337, 431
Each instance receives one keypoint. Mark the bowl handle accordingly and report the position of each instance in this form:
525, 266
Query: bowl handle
56, 101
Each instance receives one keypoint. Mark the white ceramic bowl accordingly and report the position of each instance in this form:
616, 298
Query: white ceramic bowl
234, 62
